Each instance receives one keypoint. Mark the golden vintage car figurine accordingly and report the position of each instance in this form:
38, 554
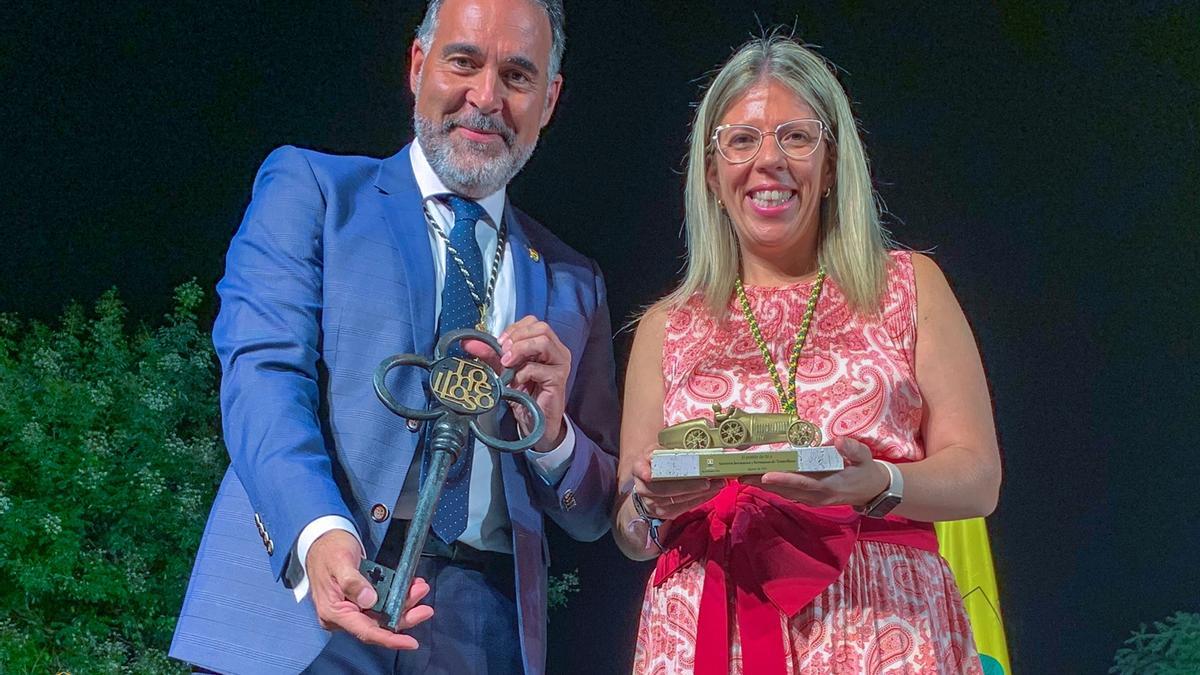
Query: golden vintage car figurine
735, 428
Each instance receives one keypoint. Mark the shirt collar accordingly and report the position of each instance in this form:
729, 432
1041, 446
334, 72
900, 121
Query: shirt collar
431, 186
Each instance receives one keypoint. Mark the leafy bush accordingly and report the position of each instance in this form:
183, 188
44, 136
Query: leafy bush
109, 458
560, 588
1172, 648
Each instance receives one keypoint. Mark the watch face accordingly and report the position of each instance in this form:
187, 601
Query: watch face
884, 506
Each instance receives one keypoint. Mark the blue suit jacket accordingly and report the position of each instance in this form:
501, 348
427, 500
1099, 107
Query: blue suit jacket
330, 272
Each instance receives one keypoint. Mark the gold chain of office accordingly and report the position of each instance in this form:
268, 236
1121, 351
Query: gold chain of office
787, 395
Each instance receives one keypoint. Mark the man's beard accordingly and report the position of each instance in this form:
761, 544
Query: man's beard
471, 169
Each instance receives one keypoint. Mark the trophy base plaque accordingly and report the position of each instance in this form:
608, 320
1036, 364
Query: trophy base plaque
677, 464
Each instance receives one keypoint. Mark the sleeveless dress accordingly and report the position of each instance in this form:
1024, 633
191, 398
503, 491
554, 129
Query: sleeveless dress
884, 605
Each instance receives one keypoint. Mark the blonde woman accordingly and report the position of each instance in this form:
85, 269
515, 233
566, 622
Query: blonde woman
793, 303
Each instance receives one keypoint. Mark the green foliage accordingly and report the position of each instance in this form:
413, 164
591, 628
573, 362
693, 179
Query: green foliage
1172, 648
109, 458
560, 587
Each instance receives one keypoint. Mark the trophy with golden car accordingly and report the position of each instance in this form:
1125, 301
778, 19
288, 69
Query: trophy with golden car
699, 448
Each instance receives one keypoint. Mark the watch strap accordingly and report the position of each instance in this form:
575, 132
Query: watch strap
890, 498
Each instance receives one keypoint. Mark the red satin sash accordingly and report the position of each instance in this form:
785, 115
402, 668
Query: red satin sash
777, 555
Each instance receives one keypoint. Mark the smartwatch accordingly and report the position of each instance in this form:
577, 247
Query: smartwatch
890, 498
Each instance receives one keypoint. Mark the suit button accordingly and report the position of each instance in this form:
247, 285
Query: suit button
413, 425
568, 500
379, 513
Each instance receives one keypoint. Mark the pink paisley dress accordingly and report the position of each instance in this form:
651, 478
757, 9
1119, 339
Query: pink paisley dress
893, 607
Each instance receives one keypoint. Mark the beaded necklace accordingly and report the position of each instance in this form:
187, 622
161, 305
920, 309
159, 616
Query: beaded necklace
787, 395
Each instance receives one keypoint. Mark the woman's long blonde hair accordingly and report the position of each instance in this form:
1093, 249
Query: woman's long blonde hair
852, 243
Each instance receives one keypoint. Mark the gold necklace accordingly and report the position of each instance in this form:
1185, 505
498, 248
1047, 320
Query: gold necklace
787, 396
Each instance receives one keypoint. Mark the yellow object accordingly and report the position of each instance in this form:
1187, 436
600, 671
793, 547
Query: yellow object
965, 545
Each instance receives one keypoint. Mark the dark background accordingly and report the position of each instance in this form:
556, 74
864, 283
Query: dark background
1047, 153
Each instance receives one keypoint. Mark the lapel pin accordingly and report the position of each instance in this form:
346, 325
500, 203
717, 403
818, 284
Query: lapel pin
534, 255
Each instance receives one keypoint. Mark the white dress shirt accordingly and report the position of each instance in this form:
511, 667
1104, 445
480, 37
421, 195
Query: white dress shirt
488, 526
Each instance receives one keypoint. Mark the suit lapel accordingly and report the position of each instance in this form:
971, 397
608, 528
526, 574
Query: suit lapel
529, 269
406, 225
530, 277
530, 282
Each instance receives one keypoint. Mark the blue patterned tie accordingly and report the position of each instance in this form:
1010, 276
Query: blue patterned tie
459, 311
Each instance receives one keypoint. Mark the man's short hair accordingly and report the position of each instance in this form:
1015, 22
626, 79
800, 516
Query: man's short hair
558, 32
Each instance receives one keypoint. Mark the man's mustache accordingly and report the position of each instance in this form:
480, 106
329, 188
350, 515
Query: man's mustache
480, 122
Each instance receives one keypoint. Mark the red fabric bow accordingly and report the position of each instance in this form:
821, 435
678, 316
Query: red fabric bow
778, 556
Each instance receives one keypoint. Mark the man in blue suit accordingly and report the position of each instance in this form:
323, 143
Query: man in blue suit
343, 261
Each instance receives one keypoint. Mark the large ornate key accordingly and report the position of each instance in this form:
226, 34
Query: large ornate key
463, 388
